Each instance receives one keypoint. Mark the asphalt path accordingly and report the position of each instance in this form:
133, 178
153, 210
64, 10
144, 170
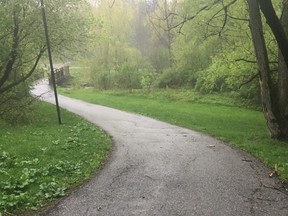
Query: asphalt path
164, 170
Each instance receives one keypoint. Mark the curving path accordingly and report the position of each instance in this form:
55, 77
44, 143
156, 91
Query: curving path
164, 170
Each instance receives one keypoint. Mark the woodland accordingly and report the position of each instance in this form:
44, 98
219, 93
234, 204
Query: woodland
208, 65
239, 47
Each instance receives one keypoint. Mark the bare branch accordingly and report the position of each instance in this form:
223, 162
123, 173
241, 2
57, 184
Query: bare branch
246, 60
253, 61
206, 8
112, 4
249, 80
225, 9
225, 19
191, 17
237, 18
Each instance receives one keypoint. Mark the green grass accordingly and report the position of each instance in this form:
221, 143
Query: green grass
222, 117
43, 160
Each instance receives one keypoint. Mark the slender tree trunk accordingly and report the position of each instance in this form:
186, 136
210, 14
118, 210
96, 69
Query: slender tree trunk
269, 99
169, 33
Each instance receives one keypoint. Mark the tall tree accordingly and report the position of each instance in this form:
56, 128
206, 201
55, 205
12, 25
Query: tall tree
162, 21
273, 87
272, 100
283, 69
22, 38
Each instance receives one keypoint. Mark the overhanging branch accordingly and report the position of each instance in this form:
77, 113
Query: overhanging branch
6, 88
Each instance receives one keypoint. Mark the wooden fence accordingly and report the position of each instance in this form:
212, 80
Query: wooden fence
61, 74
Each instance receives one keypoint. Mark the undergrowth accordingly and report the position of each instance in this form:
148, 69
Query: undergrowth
43, 160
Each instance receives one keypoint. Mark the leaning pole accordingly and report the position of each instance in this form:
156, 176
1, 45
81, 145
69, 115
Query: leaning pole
50, 60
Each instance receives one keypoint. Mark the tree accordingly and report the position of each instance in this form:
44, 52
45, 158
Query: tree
22, 38
162, 20
274, 102
117, 54
273, 86
16, 43
23, 45
283, 69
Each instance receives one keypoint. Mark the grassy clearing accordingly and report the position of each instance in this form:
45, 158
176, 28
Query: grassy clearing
216, 115
41, 161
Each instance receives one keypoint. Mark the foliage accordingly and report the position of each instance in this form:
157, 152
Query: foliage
169, 79
200, 58
205, 56
22, 45
22, 36
16, 106
38, 165
147, 80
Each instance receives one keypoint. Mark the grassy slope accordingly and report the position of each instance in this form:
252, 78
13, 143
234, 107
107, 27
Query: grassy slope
40, 161
214, 115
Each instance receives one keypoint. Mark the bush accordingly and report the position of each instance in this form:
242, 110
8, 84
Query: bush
169, 78
147, 80
16, 105
128, 76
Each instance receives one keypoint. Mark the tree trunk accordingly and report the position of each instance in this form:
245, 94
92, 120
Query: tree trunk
169, 32
269, 99
276, 27
283, 73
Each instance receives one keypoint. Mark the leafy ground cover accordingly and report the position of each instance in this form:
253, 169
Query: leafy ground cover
43, 160
226, 118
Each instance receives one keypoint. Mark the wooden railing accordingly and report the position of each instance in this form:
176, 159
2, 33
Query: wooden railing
61, 74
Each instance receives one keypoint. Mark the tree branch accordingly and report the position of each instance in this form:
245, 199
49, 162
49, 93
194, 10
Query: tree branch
246, 60
6, 88
274, 23
205, 8
112, 4
13, 53
237, 18
253, 61
249, 80
225, 9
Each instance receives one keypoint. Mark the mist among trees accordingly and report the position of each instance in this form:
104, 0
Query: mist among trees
237, 47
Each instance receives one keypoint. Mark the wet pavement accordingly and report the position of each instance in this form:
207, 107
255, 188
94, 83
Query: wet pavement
164, 170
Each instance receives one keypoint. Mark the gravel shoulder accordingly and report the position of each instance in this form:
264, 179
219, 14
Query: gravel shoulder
161, 169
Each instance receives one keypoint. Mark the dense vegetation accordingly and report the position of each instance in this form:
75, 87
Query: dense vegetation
42, 160
199, 46
202, 45
133, 44
23, 47
140, 44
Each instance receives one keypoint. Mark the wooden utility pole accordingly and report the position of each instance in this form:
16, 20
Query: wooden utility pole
50, 60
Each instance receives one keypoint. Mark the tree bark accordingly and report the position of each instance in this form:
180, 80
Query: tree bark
13, 53
169, 33
283, 73
276, 26
269, 100
25, 77
283, 69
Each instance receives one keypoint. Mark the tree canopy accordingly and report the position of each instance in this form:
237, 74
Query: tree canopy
22, 37
234, 46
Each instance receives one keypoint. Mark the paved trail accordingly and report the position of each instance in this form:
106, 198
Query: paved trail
164, 170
